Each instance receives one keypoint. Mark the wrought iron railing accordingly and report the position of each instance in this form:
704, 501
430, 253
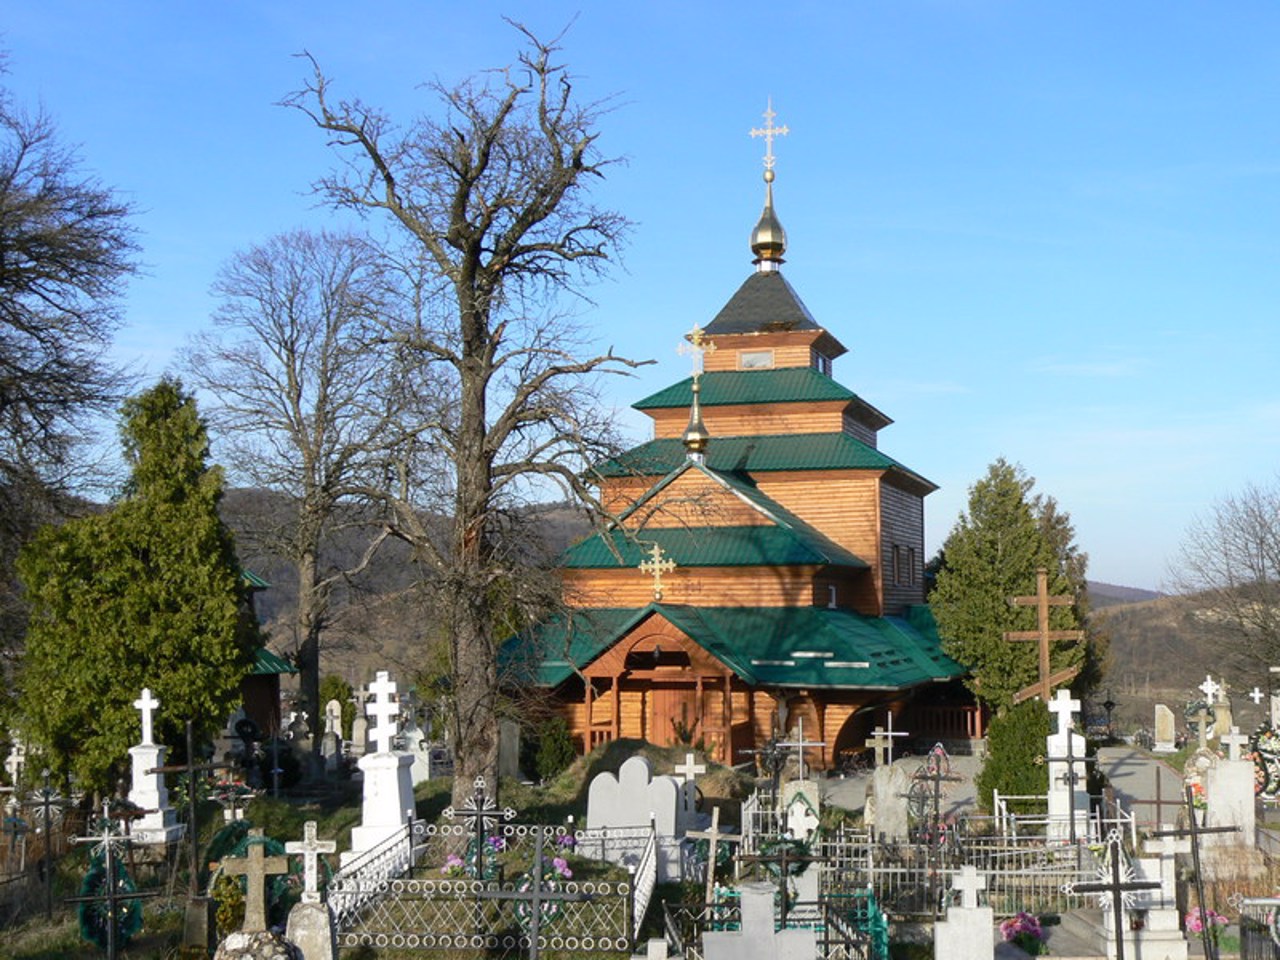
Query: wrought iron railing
365, 878
642, 884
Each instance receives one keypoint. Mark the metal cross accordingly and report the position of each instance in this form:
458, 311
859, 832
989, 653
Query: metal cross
309, 848
147, 704
191, 768
114, 898
1070, 778
656, 566
50, 803
1117, 887
257, 868
482, 815
698, 345
769, 131
1043, 688
384, 710
800, 745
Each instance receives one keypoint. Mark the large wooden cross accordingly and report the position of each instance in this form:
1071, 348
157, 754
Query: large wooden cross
713, 837
257, 868
656, 566
1043, 688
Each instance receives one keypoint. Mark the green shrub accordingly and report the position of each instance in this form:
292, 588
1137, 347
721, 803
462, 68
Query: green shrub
555, 748
1015, 756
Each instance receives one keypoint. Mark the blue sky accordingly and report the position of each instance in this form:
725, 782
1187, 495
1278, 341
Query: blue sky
1046, 231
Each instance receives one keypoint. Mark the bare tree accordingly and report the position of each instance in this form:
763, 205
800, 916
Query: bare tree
490, 203
66, 249
1229, 568
306, 403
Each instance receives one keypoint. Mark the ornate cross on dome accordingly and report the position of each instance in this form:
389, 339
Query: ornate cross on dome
657, 565
769, 131
698, 345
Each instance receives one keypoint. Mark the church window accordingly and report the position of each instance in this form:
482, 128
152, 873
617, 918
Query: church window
755, 360
821, 363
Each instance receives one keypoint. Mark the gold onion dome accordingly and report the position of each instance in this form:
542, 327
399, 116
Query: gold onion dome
768, 239
696, 436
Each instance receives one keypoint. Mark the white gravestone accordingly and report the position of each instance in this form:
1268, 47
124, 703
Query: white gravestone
17, 758
1166, 731
631, 800
160, 823
689, 771
388, 788
968, 932
758, 939
1068, 788
331, 742
801, 809
1229, 788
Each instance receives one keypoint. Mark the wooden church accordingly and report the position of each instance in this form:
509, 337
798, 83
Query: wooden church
765, 576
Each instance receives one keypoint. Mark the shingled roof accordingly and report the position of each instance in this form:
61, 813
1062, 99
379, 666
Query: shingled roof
764, 303
725, 387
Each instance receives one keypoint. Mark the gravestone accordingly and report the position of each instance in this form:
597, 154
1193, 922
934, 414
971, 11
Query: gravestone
1161, 935
257, 868
387, 788
17, 757
887, 799
1229, 790
630, 798
968, 932
359, 744
331, 742
1166, 731
801, 808
160, 823
1068, 789
758, 939
311, 926
508, 750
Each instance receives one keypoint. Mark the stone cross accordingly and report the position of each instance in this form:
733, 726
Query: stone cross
968, 882
1210, 689
689, 770
713, 837
656, 566
1234, 741
309, 848
800, 745
1066, 708
147, 704
384, 710
1043, 688
257, 868
1256, 696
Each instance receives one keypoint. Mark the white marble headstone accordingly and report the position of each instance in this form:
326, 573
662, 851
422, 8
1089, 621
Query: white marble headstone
630, 798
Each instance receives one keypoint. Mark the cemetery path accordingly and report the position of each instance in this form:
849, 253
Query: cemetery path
1140, 780
851, 793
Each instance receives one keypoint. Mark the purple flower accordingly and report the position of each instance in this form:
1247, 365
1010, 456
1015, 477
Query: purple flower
497, 844
562, 867
566, 841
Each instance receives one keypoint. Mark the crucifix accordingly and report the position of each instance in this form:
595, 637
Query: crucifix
309, 848
384, 710
257, 868
769, 131
656, 566
1043, 688
539, 895
482, 815
147, 704
713, 837
1115, 888
800, 744
698, 346
771, 758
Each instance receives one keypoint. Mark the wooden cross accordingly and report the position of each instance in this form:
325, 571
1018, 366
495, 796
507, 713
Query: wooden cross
769, 131
713, 837
147, 704
1116, 887
538, 894
800, 745
656, 566
1043, 688
256, 867
698, 346
309, 848
968, 883
384, 710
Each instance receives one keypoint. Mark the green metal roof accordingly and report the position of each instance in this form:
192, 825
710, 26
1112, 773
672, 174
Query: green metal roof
253, 581
265, 663
711, 547
739, 455
724, 387
782, 646
764, 303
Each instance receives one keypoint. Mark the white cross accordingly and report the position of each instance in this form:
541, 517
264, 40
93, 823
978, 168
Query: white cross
689, 769
1256, 696
1209, 689
1065, 707
146, 703
309, 848
1234, 741
383, 710
968, 882
800, 744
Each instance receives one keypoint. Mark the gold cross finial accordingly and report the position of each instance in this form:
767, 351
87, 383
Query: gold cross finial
769, 131
698, 344
656, 566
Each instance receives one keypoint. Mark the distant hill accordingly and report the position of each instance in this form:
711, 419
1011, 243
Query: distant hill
1110, 594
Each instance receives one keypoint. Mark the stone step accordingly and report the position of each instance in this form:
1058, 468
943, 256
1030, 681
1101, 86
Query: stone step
1077, 936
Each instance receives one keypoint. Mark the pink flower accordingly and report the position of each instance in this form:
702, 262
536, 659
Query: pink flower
561, 866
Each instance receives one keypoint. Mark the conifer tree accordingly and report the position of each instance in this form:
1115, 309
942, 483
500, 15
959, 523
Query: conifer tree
148, 593
992, 554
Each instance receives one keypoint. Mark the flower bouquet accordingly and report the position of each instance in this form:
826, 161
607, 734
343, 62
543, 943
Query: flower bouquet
1025, 933
1197, 920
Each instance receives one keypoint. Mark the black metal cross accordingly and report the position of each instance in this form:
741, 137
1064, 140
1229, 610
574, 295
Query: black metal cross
50, 803
1117, 887
482, 816
113, 898
540, 894
1071, 778
785, 858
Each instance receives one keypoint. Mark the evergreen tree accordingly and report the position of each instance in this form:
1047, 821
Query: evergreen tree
992, 554
148, 593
